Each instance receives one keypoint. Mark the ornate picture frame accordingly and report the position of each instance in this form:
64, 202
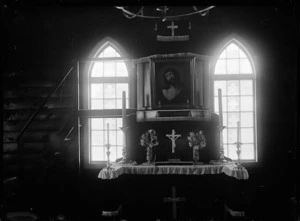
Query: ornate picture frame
172, 82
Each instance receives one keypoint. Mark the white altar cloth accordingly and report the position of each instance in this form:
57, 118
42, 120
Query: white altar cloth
229, 169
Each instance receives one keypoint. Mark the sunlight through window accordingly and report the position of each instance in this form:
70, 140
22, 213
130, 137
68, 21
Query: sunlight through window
108, 79
234, 75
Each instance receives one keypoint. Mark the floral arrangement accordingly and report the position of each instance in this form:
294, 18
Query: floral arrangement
197, 140
149, 139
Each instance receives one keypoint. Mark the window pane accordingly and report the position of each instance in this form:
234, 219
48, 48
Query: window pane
223, 54
247, 152
121, 69
96, 104
109, 69
97, 138
232, 135
247, 119
225, 140
232, 66
220, 67
119, 103
98, 153
113, 137
112, 123
232, 51
110, 104
245, 66
233, 103
109, 52
225, 121
232, 151
119, 122
109, 90
97, 70
113, 153
222, 86
247, 135
233, 87
242, 54
96, 123
246, 87
246, 103
233, 118
120, 138
97, 90
120, 88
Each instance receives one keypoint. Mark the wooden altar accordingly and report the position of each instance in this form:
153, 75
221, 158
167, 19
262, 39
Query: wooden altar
174, 191
230, 169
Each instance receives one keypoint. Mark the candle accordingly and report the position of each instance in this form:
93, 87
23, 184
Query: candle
238, 132
147, 101
123, 108
107, 133
220, 107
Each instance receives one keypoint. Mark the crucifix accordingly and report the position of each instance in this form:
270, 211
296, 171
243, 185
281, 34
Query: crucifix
173, 27
174, 200
173, 137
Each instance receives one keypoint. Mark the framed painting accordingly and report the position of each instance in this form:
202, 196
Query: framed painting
172, 82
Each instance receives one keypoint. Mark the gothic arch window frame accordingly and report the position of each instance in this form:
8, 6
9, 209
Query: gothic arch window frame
242, 45
87, 113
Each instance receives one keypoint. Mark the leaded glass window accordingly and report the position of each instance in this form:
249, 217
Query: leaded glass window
108, 79
234, 74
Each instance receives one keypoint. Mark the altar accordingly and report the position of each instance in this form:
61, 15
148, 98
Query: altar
173, 158
230, 169
175, 191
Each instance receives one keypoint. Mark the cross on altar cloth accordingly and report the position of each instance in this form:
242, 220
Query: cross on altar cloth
173, 137
174, 200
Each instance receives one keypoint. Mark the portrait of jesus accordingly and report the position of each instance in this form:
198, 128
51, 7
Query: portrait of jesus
173, 90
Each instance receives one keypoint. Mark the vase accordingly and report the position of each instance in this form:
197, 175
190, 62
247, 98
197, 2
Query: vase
196, 153
149, 155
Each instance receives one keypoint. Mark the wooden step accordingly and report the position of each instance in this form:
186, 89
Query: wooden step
36, 125
33, 92
21, 103
10, 147
10, 170
27, 159
45, 113
36, 147
38, 83
10, 137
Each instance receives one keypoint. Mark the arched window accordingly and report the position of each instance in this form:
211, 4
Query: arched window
107, 78
234, 74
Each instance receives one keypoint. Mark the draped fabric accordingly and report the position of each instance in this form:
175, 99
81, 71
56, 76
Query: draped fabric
228, 169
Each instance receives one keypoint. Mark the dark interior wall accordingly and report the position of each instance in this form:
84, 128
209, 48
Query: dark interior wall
48, 38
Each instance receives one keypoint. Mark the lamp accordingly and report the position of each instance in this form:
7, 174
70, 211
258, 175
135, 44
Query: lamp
162, 12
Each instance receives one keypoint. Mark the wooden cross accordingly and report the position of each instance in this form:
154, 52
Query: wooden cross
173, 27
174, 200
173, 137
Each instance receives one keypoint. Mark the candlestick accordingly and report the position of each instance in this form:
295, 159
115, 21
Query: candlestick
221, 127
108, 164
123, 108
147, 101
220, 107
238, 146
